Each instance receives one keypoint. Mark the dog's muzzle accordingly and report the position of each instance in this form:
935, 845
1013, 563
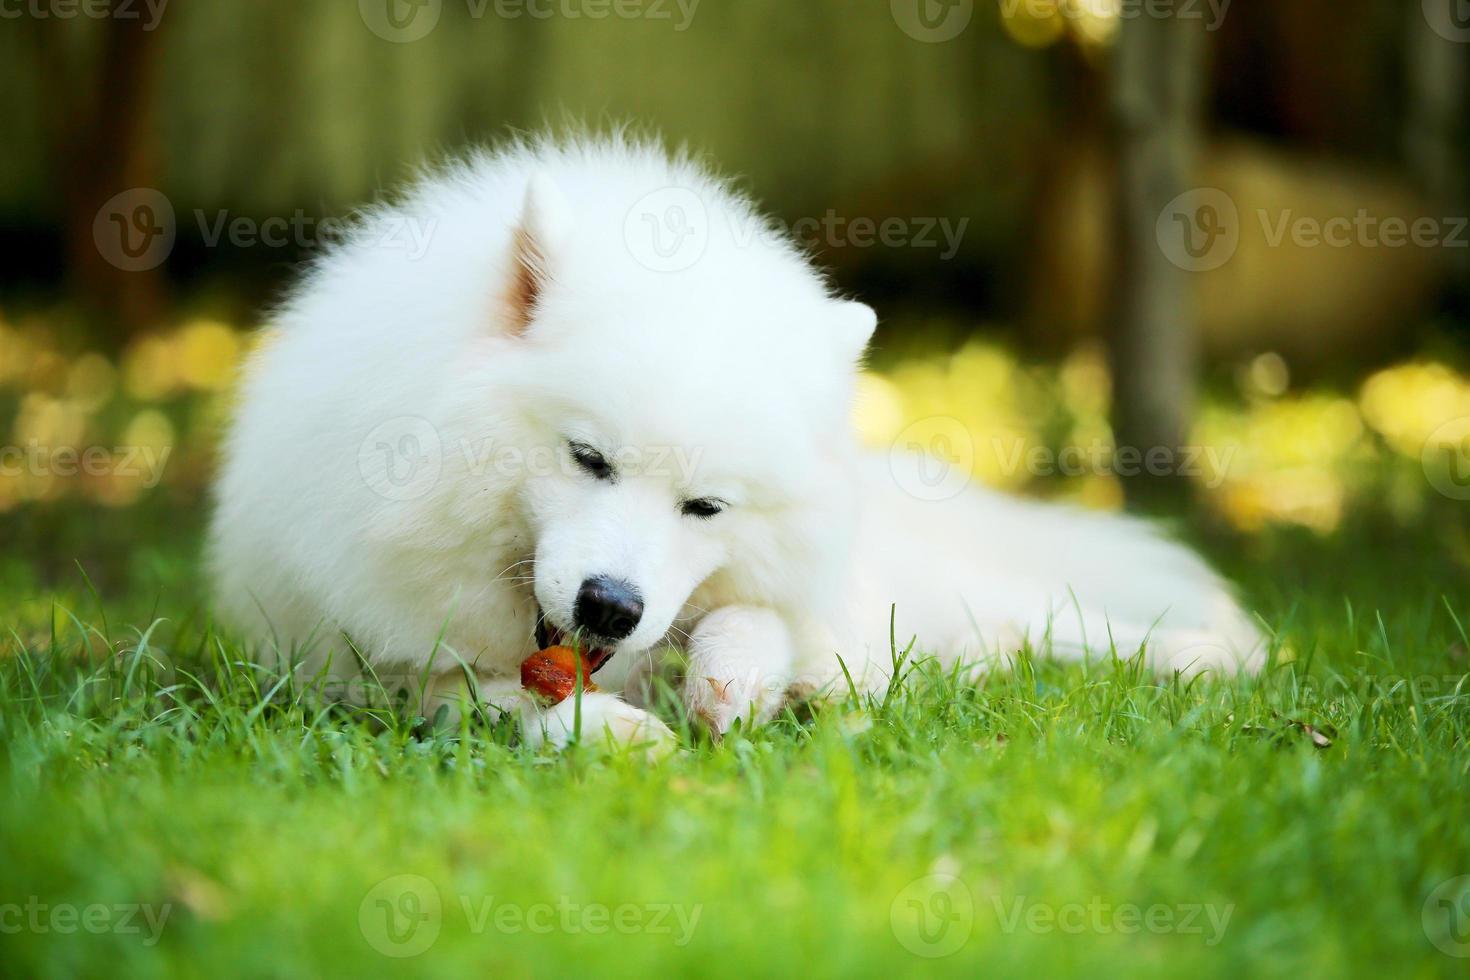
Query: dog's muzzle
548, 635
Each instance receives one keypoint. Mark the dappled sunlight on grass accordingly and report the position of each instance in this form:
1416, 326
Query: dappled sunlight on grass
111, 431
1265, 454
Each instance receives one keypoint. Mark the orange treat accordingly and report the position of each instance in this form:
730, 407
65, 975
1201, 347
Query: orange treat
552, 673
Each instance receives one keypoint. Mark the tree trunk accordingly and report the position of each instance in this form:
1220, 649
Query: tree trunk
101, 143
1437, 87
1158, 73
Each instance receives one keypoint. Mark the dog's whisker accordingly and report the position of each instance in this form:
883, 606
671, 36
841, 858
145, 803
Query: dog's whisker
501, 576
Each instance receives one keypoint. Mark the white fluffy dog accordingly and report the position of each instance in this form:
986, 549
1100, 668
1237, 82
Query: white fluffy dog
602, 395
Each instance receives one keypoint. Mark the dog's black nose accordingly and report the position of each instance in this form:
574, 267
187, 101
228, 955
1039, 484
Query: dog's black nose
608, 608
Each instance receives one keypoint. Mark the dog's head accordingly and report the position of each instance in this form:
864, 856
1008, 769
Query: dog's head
681, 428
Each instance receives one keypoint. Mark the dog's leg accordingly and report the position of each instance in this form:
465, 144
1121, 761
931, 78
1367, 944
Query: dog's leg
740, 663
603, 717
502, 695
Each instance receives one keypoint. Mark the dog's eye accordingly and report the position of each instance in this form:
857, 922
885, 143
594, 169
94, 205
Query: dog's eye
591, 460
704, 507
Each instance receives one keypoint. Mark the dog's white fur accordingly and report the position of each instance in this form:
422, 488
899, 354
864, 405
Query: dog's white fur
397, 472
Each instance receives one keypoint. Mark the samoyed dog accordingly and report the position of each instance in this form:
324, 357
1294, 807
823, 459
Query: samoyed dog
583, 387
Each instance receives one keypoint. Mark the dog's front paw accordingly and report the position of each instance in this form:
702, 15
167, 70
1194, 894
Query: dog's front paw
716, 694
603, 719
739, 666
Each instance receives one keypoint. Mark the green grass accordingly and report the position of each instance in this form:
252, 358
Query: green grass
142, 763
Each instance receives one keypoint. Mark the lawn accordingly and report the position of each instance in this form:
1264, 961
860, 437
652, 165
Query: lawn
167, 811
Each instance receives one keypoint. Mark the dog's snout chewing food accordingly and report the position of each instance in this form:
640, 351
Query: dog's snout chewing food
608, 608
571, 415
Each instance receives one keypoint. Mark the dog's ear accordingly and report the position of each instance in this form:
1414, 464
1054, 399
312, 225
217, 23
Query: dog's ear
544, 225
854, 324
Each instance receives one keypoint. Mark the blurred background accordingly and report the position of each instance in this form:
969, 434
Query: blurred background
1233, 232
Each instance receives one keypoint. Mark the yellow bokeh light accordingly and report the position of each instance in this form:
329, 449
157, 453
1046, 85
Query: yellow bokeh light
150, 369
91, 382
46, 370
1310, 497
48, 422
207, 354
1094, 22
1269, 375
1032, 23
1408, 403
150, 429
